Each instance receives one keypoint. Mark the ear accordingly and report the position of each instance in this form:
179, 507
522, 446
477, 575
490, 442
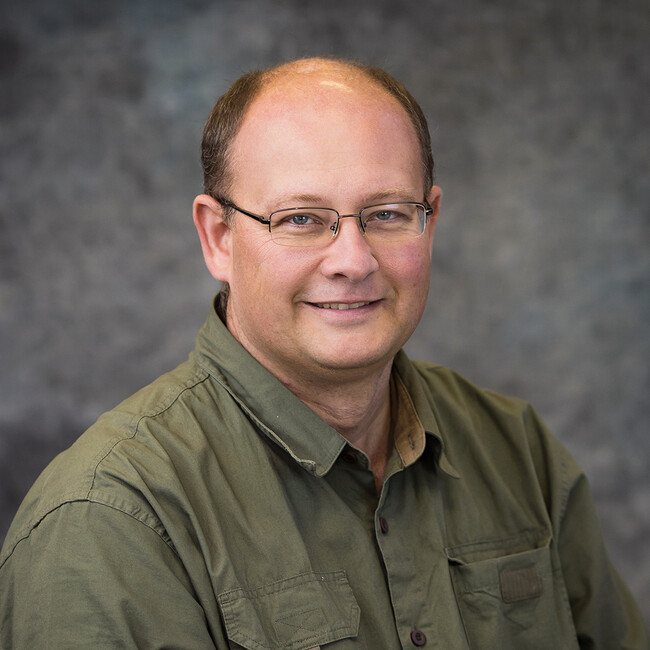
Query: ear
434, 197
215, 235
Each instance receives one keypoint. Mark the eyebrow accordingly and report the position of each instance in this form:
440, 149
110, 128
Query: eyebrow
394, 193
299, 199
312, 200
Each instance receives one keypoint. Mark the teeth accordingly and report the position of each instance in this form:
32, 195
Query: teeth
341, 305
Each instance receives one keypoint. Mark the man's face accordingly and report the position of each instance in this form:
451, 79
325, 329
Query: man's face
325, 142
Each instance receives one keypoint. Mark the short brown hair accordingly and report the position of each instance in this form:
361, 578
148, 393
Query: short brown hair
227, 115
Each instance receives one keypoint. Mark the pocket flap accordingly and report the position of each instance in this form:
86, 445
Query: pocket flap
298, 613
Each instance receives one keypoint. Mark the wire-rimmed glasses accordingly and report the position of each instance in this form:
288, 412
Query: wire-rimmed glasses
386, 222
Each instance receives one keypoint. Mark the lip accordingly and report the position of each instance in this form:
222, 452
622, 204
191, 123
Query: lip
342, 306
344, 310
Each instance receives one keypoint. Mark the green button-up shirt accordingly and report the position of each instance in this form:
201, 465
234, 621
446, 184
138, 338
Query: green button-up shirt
213, 509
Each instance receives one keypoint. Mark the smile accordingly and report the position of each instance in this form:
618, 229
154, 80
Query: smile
341, 305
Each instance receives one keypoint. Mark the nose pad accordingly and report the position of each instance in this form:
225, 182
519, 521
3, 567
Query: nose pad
335, 227
350, 256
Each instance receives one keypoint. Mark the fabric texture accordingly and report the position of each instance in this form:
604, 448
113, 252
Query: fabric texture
213, 509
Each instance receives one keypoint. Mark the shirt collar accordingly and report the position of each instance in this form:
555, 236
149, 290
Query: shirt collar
293, 425
273, 407
417, 417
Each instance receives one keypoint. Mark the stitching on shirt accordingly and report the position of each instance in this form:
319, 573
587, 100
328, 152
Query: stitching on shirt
161, 407
26, 532
84, 491
566, 488
140, 520
227, 601
307, 463
138, 513
237, 630
535, 536
284, 585
290, 620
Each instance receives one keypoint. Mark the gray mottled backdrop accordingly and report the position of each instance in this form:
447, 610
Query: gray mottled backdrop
541, 282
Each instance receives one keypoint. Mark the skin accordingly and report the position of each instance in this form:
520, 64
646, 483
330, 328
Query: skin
322, 135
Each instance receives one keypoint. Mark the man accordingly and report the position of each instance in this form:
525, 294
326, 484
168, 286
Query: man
299, 482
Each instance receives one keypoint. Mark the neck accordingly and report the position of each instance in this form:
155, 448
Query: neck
354, 402
358, 408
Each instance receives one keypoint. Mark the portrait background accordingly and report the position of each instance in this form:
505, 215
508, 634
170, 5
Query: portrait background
540, 281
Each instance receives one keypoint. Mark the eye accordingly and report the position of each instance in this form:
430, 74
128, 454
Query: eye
386, 215
297, 220
301, 219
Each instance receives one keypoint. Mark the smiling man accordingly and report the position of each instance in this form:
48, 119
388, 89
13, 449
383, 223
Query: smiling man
321, 302
299, 482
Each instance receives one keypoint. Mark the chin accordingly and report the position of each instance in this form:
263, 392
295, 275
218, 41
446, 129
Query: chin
355, 359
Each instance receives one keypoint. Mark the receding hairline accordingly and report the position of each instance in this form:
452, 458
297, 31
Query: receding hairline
234, 106
315, 65
313, 68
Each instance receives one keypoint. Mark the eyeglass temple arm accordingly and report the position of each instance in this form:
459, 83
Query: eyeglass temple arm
229, 204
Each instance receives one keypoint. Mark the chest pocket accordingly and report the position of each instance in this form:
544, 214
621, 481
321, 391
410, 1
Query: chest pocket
511, 598
299, 613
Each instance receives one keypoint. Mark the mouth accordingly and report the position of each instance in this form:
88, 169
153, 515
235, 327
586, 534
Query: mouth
340, 305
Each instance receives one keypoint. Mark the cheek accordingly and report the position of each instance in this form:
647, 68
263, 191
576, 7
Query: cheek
249, 283
252, 256
265, 273
410, 268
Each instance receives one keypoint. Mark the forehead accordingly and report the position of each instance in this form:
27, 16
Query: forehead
311, 90
324, 122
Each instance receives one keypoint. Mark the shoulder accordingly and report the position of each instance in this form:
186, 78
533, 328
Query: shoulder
487, 434
452, 396
482, 414
111, 462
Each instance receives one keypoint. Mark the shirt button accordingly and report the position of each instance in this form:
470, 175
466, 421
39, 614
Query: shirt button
383, 525
418, 637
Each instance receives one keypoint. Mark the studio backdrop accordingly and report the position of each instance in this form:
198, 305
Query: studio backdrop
540, 282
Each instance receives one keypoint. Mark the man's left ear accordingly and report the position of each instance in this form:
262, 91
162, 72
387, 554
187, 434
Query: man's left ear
214, 233
434, 197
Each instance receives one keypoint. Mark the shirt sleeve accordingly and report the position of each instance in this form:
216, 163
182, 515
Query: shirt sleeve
91, 576
604, 612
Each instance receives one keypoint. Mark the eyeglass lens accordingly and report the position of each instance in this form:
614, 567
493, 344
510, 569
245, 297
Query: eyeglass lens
316, 226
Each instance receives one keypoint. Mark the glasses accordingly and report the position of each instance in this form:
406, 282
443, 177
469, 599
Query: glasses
387, 222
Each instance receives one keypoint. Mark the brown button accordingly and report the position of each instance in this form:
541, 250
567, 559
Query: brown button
383, 525
418, 637
349, 456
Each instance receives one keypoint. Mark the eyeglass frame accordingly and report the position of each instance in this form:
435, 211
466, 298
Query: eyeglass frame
428, 211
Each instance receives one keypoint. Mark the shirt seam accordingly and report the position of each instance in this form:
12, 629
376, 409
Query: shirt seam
161, 407
27, 531
83, 493
306, 463
566, 489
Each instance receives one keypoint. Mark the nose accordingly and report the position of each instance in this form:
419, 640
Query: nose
349, 254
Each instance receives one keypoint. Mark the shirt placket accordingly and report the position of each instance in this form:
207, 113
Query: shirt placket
409, 531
